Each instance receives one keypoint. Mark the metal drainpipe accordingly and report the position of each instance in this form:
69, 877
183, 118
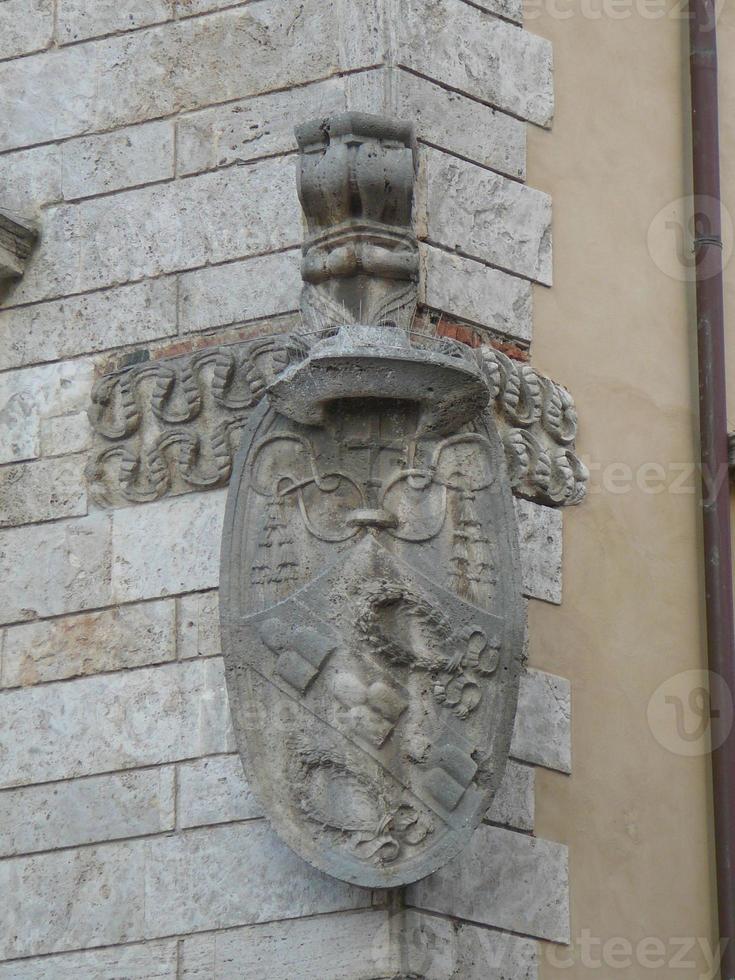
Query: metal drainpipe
714, 446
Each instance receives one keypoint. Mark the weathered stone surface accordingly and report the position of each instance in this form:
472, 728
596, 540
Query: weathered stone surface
42, 490
240, 291
334, 947
167, 547
465, 49
29, 396
147, 74
49, 96
127, 79
198, 626
263, 125
43, 175
256, 127
82, 324
30, 178
74, 573
510, 9
543, 725
86, 811
79, 19
514, 805
438, 948
147, 961
89, 643
198, 880
541, 550
503, 879
458, 124
114, 721
192, 8
471, 291
74, 898
202, 879
538, 425
125, 158
141, 233
465, 207
235, 875
65, 434
214, 791
25, 26
443, 118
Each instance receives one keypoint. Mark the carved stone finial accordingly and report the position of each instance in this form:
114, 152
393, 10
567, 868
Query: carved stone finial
360, 266
16, 244
360, 259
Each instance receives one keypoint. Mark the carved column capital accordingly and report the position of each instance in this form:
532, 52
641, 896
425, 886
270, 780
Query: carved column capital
360, 259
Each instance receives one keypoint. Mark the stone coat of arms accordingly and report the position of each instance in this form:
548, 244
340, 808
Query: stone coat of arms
371, 596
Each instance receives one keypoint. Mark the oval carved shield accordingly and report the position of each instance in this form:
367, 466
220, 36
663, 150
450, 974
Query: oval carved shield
372, 627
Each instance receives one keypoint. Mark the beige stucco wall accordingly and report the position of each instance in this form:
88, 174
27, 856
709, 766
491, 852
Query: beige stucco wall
616, 329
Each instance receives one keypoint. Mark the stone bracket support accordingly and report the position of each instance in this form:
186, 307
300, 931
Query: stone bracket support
16, 244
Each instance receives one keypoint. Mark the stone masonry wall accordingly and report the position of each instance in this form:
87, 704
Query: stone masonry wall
151, 143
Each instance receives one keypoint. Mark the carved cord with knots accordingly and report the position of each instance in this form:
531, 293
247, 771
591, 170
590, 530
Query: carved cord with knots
538, 425
285, 465
168, 395
177, 393
169, 426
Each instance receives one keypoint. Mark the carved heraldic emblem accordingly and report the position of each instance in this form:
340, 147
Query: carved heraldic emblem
371, 598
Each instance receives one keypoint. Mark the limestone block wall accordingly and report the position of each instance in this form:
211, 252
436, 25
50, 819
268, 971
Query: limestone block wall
152, 146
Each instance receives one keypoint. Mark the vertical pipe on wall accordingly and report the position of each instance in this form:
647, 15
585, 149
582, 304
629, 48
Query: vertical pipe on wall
714, 446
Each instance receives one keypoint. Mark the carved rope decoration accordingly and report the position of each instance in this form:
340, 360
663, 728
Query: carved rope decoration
173, 426
537, 421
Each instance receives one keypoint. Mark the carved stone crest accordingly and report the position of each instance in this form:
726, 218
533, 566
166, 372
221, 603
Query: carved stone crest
371, 590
